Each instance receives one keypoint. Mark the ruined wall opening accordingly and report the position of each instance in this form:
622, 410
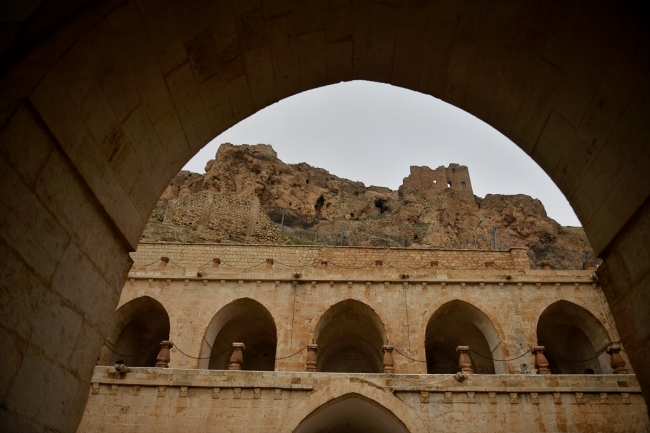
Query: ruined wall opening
573, 337
136, 332
350, 336
458, 323
242, 321
351, 413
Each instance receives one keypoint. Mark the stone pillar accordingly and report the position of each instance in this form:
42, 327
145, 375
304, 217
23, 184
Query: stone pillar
489, 265
216, 262
541, 363
237, 357
616, 361
464, 361
269, 263
589, 266
389, 363
546, 266
434, 265
312, 357
164, 356
379, 263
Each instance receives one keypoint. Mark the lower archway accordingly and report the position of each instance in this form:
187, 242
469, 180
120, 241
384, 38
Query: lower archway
351, 413
574, 340
137, 330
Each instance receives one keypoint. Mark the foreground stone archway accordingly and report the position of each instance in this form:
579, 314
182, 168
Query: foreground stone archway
101, 104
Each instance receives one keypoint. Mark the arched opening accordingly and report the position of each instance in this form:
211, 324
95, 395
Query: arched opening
350, 336
242, 321
137, 330
458, 323
351, 413
573, 337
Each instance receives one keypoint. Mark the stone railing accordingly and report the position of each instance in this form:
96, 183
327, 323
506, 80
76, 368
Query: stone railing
153, 397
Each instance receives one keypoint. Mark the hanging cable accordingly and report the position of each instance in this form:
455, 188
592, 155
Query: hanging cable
600, 352
351, 359
282, 357
204, 357
122, 355
412, 359
501, 360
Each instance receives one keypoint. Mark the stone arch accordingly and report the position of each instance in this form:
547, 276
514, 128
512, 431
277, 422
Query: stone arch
337, 389
351, 413
103, 104
350, 335
459, 323
136, 332
572, 333
243, 320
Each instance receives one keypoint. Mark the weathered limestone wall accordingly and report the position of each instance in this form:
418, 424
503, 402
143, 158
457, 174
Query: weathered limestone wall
218, 216
455, 177
309, 258
63, 263
171, 400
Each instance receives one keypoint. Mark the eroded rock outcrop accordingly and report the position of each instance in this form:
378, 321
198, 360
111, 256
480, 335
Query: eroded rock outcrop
246, 190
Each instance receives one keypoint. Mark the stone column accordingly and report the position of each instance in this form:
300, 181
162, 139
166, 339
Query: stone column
312, 357
389, 363
616, 361
541, 363
164, 356
464, 361
237, 357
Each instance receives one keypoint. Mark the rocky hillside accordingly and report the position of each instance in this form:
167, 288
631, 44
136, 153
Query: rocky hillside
246, 190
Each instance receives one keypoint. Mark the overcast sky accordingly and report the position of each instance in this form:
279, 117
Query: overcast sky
373, 133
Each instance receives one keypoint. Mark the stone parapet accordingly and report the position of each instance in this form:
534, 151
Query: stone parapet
338, 259
281, 400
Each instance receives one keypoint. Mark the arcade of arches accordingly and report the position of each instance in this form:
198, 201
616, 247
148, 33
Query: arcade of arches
103, 101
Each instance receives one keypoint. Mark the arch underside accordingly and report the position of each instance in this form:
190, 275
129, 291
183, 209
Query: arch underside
101, 107
137, 330
351, 413
459, 323
573, 339
350, 337
241, 321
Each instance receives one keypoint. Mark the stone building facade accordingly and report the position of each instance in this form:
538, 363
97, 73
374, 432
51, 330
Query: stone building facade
359, 340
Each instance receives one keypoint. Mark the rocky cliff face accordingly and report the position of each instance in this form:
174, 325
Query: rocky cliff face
246, 190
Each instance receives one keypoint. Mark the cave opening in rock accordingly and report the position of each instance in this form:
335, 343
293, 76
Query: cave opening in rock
382, 205
319, 203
